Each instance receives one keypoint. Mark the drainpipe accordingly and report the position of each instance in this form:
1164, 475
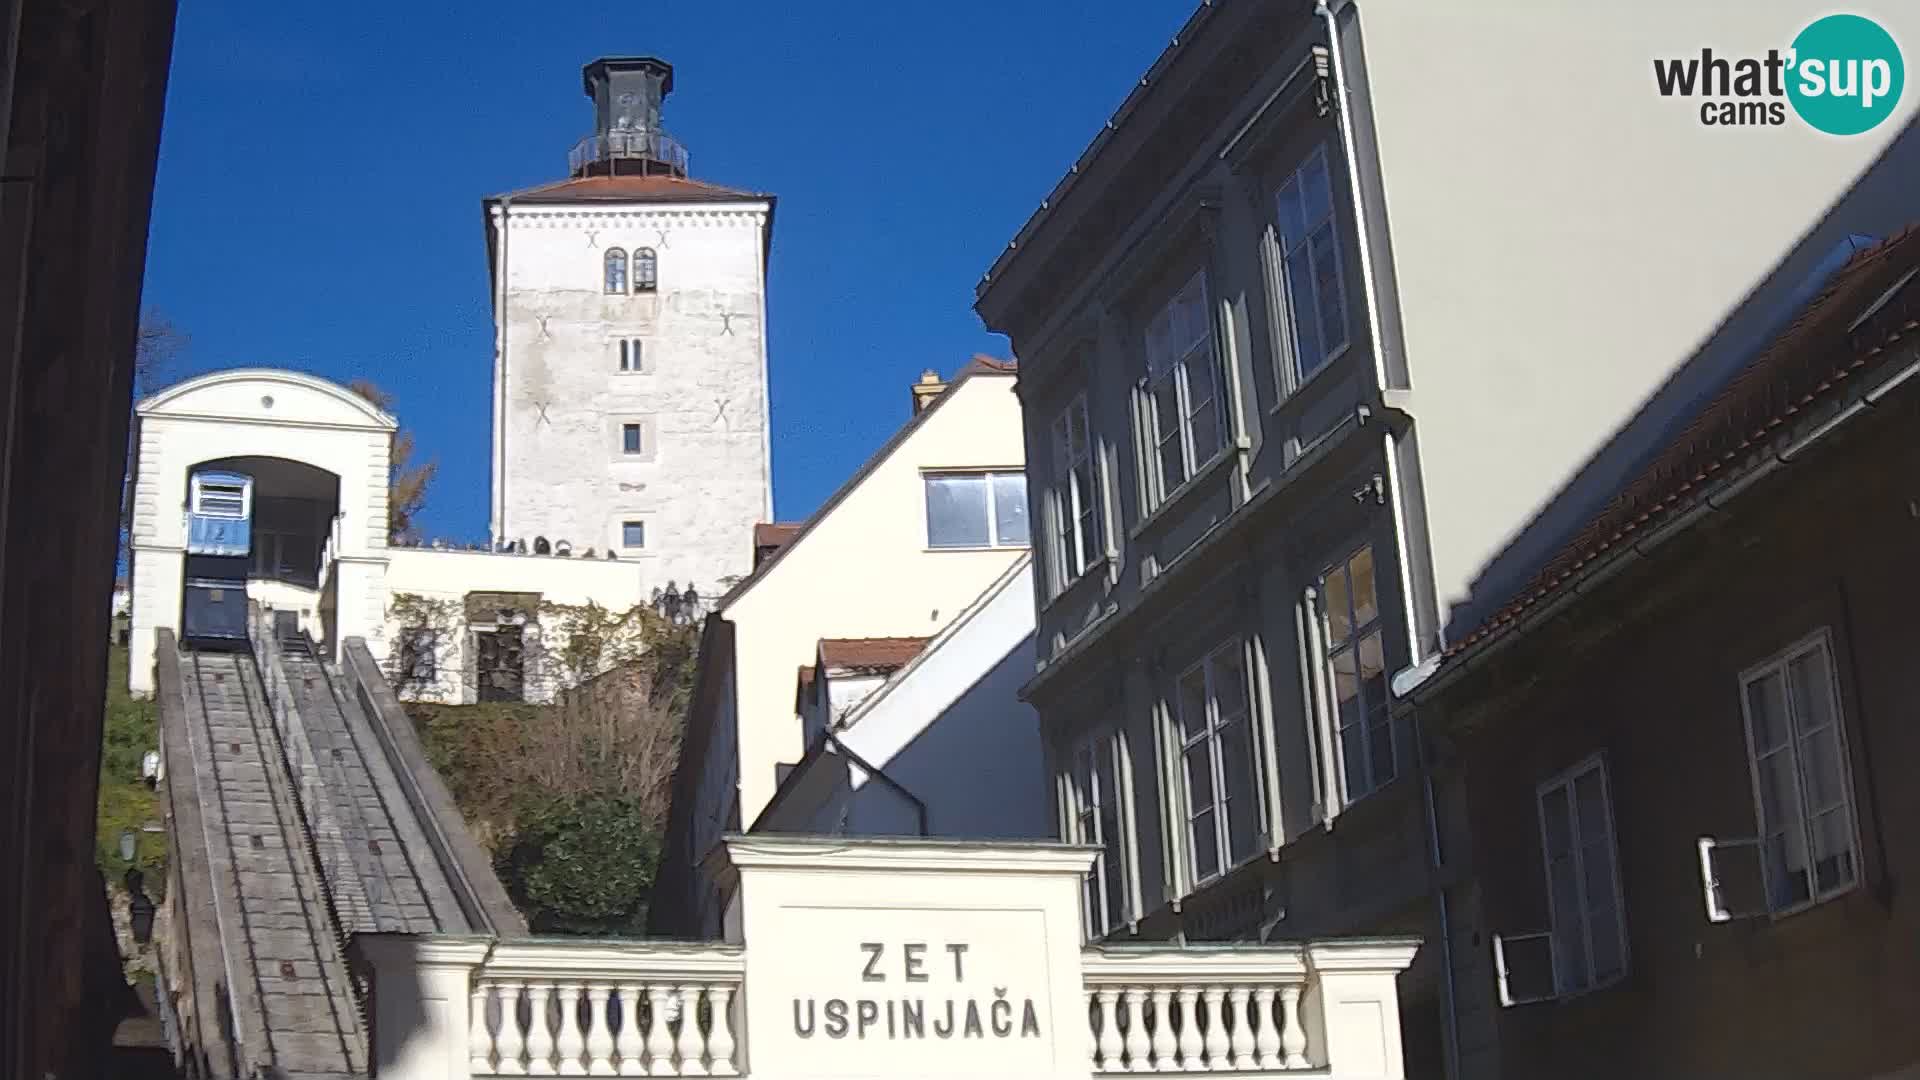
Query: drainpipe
1322, 11
919, 806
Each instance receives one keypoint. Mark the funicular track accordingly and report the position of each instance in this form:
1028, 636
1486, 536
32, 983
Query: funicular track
309, 1020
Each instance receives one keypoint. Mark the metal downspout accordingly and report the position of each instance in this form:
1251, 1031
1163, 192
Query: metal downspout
919, 806
1340, 94
500, 380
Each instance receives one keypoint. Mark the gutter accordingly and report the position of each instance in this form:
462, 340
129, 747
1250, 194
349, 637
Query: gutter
919, 805
1421, 684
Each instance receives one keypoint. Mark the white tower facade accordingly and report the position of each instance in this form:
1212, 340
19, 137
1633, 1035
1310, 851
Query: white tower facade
630, 374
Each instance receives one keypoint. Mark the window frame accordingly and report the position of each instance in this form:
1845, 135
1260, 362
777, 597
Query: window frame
633, 355
1178, 370
1074, 555
1086, 802
645, 268
1357, 633
987, 476
1291, 373
1226, 856
1564, 781
608, 284
411, 656
639, 442
1821, 642
639, 523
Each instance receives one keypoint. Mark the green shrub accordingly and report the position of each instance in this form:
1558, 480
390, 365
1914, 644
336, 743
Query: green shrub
581, 864
126, 803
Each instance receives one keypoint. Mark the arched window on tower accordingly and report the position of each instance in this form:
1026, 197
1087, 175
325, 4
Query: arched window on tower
616, 271
646, 270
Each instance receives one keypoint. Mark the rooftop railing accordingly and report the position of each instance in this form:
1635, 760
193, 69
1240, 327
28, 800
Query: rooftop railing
616, 146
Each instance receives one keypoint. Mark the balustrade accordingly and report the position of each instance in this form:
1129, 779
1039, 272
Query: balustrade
605, 1009
1197, 1010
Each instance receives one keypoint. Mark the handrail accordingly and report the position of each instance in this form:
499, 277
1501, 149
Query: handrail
643, 144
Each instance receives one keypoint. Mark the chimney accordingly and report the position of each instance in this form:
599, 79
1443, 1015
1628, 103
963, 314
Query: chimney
628, 139
928, 388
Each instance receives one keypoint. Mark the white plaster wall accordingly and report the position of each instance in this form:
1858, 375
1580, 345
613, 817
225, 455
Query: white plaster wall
1564, 237
254, 412
449, 576
863, 570
701, 395
948, 727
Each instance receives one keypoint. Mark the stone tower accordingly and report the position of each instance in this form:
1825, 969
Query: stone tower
630, 349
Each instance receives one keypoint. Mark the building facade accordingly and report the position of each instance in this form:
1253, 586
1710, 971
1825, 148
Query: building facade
630, 383
1311, 337
1673, 795
937, 515
903, 736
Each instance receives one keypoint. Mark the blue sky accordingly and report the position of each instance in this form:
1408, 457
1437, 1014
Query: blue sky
322, 165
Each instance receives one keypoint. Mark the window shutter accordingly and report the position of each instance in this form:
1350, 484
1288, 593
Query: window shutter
1733, 878
1523, 964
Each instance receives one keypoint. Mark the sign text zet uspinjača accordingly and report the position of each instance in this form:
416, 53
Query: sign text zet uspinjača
960, 1012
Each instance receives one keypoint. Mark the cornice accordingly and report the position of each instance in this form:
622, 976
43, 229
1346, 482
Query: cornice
557, 217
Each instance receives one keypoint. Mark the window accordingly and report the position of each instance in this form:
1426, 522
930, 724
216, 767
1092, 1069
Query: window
1585, 947
1076, 496
633, 534
219, 498
1583, 879
419, 656
1183, 385
1094, 791
1357, 672
1216, 759
1808, 850
975, 510
616, 272
631, 356
646, 270
1316, 294
630, 438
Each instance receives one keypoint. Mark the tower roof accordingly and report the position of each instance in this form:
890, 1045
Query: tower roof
655, 187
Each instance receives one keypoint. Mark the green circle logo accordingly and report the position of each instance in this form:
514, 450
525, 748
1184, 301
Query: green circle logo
1847, 75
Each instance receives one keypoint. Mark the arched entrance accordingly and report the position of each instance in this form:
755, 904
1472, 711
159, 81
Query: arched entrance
318, 454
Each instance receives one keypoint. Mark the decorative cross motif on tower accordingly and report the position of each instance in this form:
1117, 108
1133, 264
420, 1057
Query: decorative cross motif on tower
593, 238
545, 335
662, 241
541, 406
720, 411
726, 320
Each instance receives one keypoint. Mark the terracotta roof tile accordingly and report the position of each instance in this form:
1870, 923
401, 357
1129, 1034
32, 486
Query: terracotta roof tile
775, 534
1809, 362
869, 654
658, 187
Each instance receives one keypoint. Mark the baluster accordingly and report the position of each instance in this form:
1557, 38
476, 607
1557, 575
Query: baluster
720, 1040
1137, 1044
1242, 1032
1266, 1035
1216, 1029
1093, 1031
659, 1039
599, 1034
479, 1039
512, 1043
693, 1041
1109, 1031
1164, 1046
1293, 1037
631, 1045
1190, 1029
570, 1044
539, 1030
